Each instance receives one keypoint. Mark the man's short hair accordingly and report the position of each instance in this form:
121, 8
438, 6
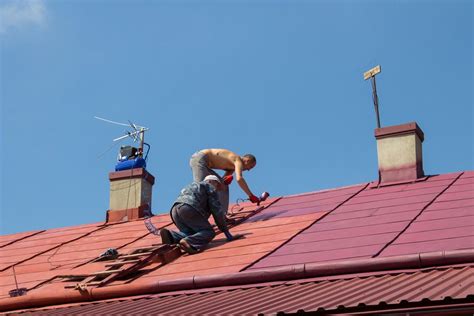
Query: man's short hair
251, 158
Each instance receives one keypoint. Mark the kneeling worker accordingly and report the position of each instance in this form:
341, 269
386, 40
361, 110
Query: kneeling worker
190, 213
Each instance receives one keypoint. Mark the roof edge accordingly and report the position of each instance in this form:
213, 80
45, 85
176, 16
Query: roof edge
284, 273
310, 270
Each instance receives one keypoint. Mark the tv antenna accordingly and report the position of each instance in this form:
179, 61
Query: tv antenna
370, 74
137, 133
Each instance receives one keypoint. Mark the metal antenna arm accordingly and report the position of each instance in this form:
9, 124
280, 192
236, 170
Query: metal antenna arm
131, 134
110, 121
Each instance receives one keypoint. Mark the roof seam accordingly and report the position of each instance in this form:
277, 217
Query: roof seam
449, 208
418, 215
429, 240
347, 237
22, 238
304, 229
49, 249
353, 226
393, 198
329, 250
432, 230
372, 216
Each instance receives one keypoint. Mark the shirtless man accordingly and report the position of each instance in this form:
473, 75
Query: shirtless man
202, 163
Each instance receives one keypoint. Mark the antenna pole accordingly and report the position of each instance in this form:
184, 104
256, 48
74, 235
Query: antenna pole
376, 101
142, 140
371, 74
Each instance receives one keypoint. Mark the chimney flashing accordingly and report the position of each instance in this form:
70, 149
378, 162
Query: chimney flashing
127, 215
376, 184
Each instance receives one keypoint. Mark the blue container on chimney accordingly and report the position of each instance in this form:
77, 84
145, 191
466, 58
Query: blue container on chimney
130, 164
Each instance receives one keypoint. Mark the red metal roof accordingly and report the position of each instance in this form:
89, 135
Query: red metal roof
369, 222
352, 223
342, 294
34, 244
58, 251
10, 239
447, 223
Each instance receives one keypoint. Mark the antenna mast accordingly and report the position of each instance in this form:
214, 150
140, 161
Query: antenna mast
142, 141
137, 134
371, 74
138, 131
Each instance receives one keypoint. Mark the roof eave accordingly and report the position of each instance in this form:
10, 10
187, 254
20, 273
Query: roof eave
285, 273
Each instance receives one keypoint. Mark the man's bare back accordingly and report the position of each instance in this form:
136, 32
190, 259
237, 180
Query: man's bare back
222, 159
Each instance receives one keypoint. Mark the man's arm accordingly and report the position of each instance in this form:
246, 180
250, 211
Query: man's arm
215, 206
240, 179
219, 216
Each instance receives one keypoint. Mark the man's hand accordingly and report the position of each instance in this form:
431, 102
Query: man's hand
254, 199
231, 237
228, 179
237, 236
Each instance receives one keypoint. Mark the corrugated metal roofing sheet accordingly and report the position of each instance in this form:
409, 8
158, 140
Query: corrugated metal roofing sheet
382, 290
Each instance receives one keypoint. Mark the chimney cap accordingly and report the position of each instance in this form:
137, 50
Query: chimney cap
132, 173
398, 130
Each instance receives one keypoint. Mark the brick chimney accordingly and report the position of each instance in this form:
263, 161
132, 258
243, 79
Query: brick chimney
399, 152
130, 195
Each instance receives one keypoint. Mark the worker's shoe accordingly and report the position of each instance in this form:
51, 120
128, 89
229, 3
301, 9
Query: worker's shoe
166, 237
183, 244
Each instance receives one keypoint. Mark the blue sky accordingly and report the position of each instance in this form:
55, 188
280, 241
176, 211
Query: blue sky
279, 79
